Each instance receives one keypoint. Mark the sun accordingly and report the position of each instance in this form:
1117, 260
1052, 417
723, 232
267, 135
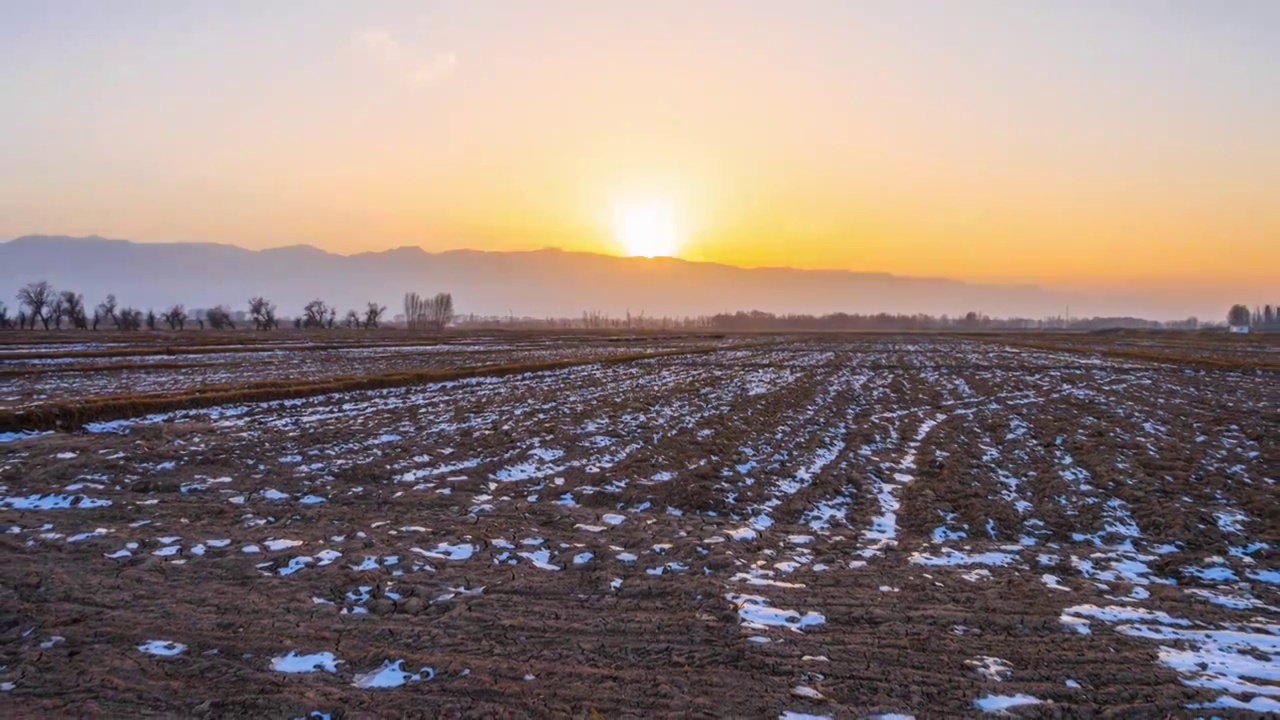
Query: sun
646, 229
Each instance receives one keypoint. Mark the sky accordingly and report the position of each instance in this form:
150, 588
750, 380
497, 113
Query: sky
1082, 144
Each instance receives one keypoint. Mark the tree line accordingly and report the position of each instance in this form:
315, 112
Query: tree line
423, 312
1264, 318
1268, 318
40, 304
765, 321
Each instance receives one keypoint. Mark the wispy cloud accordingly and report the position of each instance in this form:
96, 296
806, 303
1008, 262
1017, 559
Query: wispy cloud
414, 67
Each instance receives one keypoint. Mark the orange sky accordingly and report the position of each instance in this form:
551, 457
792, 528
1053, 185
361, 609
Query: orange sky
993, 145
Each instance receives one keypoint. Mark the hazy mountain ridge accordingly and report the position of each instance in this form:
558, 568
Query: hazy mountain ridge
539, 283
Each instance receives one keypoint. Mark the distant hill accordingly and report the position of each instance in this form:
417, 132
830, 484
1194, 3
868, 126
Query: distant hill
540, 283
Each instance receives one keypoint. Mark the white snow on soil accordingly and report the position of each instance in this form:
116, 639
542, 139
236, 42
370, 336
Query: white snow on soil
446, 551
166, 648
754, 612
295, 663
1238, 658
390, 676
541, 559
53, 501
991, 668
999, 703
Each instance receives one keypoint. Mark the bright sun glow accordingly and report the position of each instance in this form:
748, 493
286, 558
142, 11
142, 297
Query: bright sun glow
646, 229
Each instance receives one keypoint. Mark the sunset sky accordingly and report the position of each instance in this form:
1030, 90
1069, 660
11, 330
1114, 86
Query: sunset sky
1075, 144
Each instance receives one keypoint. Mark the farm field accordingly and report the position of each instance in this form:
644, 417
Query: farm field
1203, 349
35, 374
832, 526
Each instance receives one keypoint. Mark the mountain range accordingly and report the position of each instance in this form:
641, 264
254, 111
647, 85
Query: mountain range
540, 283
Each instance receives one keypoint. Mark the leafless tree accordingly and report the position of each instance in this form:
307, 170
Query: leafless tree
4, 315
57, 310
107, 309
415, 310
73, 306
373, 314
176, 317
440, 311
151, 319
263, 312
129, 318
219, 318
435, 312
315, 314
37, 296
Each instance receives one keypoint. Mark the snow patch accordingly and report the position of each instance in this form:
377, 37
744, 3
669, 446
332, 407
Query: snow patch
164, 648
292, 662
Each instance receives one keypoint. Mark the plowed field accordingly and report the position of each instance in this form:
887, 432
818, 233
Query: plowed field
841, 527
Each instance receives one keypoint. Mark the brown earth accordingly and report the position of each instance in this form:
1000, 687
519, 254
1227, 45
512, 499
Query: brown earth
689, 451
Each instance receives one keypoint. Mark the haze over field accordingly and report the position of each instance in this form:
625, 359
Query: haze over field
1122, 155
539, 283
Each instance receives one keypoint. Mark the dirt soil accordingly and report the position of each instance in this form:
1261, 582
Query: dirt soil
831, 526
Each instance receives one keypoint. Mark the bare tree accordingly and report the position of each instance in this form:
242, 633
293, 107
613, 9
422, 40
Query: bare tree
107, 309
4, 315
315, 314
176, 317
373, 314
435, 312
73, 306
263, 312
440, 310
415, 310
352, 319
37, 296
57, 310
219, 317
129, 318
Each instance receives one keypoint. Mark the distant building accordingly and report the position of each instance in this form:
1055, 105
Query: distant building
1242, 329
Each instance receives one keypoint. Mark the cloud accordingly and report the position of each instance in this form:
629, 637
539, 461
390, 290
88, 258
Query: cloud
415, 68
